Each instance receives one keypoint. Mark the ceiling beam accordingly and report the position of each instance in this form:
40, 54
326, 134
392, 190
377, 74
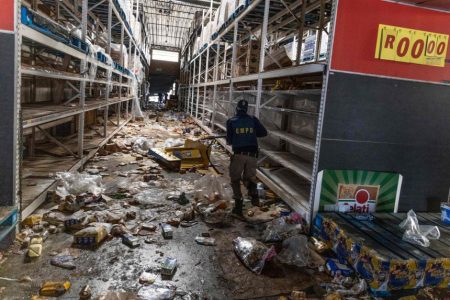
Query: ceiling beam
201, 3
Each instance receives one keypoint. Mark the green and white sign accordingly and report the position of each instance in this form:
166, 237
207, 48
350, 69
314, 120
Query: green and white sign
357, 191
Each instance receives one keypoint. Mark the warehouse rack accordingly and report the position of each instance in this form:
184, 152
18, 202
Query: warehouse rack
73, 97
235, 65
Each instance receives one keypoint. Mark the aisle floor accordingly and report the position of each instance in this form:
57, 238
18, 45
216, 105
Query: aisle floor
204, 272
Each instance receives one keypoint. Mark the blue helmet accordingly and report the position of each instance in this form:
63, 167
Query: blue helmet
242, 106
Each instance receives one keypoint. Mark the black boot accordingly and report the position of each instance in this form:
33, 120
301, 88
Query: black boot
255, 201
237, 210
253, 193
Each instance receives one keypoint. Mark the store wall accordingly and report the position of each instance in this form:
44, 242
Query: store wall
387, 102
390, 125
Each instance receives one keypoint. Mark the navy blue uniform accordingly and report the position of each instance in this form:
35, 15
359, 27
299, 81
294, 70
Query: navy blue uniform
243, 131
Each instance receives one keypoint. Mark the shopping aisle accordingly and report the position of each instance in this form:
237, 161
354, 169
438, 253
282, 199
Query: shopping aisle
138, 194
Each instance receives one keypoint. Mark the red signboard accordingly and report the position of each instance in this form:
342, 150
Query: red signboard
7, 15
357, 32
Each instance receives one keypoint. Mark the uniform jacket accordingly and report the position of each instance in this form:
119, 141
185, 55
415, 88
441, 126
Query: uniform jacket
243, 131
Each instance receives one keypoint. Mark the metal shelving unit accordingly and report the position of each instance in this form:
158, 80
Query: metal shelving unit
242, 60
84, 84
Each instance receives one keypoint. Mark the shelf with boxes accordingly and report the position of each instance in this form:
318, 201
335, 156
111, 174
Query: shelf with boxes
254, 56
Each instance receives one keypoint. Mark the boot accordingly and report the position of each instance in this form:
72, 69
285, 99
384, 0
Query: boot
255, 201
253, 193
237, 210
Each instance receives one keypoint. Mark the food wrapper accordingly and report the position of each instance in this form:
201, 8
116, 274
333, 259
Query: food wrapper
90, 236
253, 254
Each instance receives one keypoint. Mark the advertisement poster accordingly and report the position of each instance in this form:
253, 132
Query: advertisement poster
357, 191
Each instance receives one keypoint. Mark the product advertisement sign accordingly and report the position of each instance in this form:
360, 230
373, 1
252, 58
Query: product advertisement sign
397, 40
357, 191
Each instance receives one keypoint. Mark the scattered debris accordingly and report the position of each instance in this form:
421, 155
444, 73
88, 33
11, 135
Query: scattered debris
90, 236
35, 247
147, 278
156, 291
63, 261
167, 231
169, 266
295, 251
130, 241
283, 227
54, 289
252, 253
207, 241
85, 293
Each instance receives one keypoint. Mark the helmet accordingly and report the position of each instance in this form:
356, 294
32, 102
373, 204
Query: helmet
242, 106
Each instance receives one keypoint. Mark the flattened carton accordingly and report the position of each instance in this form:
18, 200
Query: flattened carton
374, 269
437, 273
406, 274
383, 274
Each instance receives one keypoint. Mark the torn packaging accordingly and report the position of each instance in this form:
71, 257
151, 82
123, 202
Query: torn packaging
90, 236
76, 221
63, 261
252, 253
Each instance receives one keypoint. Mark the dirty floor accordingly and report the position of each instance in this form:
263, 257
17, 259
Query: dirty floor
204, 272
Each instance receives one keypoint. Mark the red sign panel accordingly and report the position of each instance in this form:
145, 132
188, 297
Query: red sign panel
7, 15
357, 32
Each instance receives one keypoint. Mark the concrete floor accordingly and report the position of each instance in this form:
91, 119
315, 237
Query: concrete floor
204, 272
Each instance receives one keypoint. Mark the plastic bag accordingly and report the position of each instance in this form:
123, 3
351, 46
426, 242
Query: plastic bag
283, 228
77, 183
217, 213
134, 187
295, 251
211, 188
418, 234
253, 254
170, 142
142, 145
156, 292
151, 198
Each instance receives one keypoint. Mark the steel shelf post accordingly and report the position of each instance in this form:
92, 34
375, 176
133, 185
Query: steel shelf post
216, 74
84, 70
262, 55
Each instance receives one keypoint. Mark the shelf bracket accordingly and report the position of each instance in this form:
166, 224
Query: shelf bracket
54, 140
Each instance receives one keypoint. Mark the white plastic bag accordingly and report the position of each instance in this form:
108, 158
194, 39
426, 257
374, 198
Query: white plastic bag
418, 234
170, 142
142, 144
77, 183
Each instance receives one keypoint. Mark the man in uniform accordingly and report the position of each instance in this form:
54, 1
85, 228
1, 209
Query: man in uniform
242, 133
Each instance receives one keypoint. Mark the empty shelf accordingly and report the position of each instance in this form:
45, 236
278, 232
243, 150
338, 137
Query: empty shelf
295, 140
292, 162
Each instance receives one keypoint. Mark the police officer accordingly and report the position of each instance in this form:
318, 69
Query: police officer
242, 133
